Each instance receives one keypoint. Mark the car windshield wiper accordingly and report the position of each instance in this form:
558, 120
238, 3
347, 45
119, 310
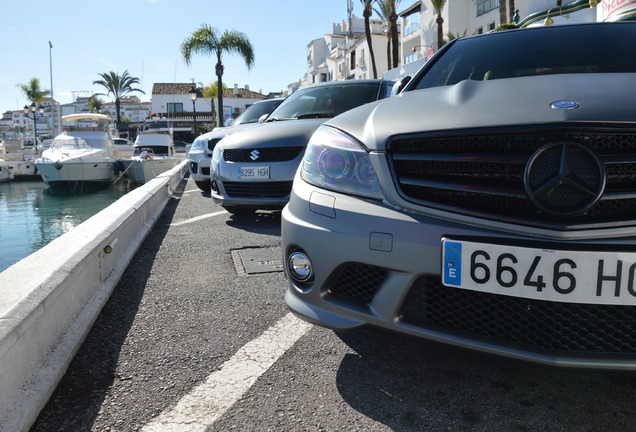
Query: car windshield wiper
274, 119
316, 115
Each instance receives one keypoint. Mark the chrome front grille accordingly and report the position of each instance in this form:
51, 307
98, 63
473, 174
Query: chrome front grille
481, 171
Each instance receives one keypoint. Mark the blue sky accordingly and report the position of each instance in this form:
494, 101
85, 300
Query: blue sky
144, 37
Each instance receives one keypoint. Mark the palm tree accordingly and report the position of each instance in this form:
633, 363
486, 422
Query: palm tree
32, 90
118, 86
503, 15
367, 30
395, 37
384, 12
95, 104
207, 40
438, 6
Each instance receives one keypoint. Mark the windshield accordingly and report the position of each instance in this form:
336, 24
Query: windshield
256, 111
593, 48
325, 101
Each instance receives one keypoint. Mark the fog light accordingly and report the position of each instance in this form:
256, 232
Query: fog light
299, 266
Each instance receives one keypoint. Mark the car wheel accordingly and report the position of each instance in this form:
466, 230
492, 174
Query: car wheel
238, 210
203, 185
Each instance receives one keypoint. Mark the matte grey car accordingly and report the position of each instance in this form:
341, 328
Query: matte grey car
490, 205
254, 169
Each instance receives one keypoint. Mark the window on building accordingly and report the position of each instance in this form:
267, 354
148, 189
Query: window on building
480, 30
175, 107
412, 23
353, 60
491, 26
323, 77
484, 6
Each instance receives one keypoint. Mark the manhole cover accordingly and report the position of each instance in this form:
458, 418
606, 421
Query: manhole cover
257, 260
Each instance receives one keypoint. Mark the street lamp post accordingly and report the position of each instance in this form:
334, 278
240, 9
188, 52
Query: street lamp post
193, 96
32, 113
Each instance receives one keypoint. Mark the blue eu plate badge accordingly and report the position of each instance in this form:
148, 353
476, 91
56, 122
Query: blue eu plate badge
452, 271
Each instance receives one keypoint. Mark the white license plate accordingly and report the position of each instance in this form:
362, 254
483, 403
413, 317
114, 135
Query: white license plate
253, 172
542, 274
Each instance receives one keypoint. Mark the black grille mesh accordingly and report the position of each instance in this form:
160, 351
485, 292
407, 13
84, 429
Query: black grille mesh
356, 282
274, 154
258, 189
481, 172
523, 323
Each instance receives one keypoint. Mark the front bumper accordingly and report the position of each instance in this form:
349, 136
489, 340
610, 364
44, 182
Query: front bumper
199, 166
229, 189
378, 265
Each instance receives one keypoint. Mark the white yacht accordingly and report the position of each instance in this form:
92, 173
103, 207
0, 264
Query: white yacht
83, 153
154, 154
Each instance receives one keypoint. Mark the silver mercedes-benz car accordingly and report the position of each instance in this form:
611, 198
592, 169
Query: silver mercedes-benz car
200, 152
490, 205
254, 169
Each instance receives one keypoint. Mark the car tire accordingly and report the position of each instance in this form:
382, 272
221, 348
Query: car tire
203, 185
238, 210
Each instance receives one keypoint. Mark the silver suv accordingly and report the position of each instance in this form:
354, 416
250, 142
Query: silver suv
490, 205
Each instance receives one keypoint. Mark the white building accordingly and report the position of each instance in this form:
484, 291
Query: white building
344, 53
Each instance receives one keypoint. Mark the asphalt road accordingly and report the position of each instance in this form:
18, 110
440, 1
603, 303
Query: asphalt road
197, 337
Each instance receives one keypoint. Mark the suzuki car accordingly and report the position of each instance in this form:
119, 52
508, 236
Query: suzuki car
254, 169
200, 152
491, 204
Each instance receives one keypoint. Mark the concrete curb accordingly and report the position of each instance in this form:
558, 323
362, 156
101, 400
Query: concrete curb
50, 299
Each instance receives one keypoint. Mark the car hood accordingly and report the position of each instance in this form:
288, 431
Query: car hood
504, 102
286, 133
220, 132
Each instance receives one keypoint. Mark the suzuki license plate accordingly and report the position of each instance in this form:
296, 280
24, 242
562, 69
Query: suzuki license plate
255, 172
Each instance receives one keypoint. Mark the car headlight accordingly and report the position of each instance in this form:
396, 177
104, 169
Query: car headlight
334, 160
198, 146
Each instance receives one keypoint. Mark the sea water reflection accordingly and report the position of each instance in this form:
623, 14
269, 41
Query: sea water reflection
32, 214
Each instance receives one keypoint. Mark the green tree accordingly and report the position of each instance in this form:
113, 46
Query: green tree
32, 90
207, 40
118, 86
95, 104
212, 92
438, 6
367, 12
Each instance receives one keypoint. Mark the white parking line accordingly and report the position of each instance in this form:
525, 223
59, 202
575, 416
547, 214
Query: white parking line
211, 399
192, 190
198, 218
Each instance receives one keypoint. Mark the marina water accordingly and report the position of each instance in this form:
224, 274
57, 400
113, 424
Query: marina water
32, 214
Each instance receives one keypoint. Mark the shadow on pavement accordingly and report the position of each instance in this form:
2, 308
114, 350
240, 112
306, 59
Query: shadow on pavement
411, 384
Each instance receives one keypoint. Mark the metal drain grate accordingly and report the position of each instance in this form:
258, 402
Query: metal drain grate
256, 260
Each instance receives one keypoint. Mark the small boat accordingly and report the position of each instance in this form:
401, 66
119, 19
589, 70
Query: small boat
83, 153
5, 174
154, 154
19, 154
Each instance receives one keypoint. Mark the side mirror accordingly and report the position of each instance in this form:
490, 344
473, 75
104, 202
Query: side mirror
262, 118
399, 86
